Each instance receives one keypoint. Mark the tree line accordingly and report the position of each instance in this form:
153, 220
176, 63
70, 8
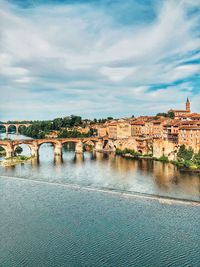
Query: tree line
38, 129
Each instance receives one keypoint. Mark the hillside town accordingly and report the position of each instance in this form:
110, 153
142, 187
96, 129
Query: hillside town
159, 135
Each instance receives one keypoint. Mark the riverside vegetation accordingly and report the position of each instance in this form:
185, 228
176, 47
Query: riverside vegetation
18, 150
39, 129
14, 160
186, 158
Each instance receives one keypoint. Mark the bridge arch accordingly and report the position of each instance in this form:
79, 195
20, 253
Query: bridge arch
48, 141
70, 140
3, 150
7, 146
16, 125
26, 149
12, 125
88, 145
2, 126
55, 144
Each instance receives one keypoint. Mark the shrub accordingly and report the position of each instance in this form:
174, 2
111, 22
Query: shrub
128, 151
164, 159
184, 153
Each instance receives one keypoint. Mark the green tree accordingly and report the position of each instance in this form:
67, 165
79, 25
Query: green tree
57, 123
184, 153
171, 114
197, 159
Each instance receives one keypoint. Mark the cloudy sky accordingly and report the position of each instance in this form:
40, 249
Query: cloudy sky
98, 58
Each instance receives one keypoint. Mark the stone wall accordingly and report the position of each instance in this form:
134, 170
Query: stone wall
164, 148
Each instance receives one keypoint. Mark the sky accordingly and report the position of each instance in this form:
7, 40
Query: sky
98, 58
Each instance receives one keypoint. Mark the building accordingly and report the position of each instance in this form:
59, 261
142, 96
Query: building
112, 130
137, 128
189, 135
178, 113
102, 131
158, 134
123, 129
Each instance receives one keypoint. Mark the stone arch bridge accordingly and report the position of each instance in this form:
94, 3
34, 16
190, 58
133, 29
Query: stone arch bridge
16, 125
99, 144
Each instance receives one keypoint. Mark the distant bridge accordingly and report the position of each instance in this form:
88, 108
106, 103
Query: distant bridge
34, 144
16, 125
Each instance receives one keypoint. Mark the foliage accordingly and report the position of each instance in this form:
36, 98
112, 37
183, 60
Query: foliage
38, 129
187, 159
18, 150
22, 157
184, 153
2, 151
169, 114
164, 159
197, 159
74, 134
128, 151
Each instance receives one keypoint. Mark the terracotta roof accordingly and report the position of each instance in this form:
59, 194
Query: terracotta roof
183, 111
190, 127
189, 122
112, 124
137, 123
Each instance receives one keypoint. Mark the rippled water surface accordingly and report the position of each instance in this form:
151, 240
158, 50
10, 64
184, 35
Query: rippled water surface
45, 221
44, 225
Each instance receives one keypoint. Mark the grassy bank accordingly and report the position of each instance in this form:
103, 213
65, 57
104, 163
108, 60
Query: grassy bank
14, 160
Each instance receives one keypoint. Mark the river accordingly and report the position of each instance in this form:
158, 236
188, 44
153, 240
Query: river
97, 210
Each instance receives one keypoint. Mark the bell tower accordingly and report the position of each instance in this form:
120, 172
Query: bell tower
187, 105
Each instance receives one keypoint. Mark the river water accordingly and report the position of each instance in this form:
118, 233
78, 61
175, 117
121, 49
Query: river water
92, 210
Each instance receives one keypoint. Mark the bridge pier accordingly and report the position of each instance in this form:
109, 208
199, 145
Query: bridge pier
99, 146
79, 147
6, 127
35, 151
17, 129
35, 162
58, 150
58, 160
9, 152
110, 146
79, 157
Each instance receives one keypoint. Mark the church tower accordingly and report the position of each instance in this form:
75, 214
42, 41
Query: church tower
187, 105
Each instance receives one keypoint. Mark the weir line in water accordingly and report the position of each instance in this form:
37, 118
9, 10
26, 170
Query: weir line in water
160, 199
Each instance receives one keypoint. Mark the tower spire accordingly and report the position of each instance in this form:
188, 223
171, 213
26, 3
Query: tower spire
187, 105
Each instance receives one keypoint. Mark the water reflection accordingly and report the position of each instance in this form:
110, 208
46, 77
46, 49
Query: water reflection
58, 160
109, 171
78, 158
35, 162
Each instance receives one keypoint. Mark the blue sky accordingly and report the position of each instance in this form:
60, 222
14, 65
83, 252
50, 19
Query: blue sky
98, 58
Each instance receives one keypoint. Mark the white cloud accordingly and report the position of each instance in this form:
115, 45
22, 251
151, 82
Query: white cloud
116, 74
79, 54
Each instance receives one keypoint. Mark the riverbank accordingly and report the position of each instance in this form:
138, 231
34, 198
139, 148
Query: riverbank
183, 166
14, 160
